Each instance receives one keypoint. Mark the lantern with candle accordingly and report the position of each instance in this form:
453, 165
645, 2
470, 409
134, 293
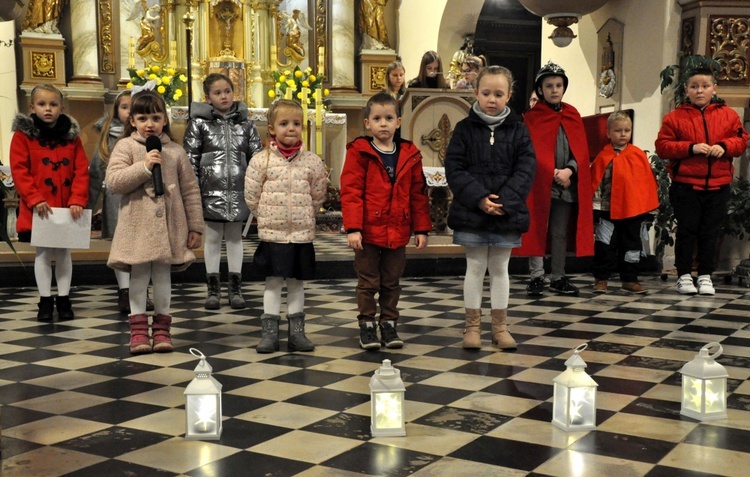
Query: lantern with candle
574, 396
704, 386
387, 402
203, 403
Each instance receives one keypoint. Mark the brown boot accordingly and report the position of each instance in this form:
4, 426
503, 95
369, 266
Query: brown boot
473, 330
161, 335
500, 335
139, 342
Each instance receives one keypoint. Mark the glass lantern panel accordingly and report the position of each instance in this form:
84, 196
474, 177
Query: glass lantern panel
202, 411
581, 407
560, 404
692, 390
715, 393
388, 410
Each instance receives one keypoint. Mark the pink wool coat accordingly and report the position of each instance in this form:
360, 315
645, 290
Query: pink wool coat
285, 195
151, 228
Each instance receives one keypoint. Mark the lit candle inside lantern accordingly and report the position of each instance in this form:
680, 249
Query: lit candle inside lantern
131, 53
321, 61
319, 121
173, 53
273, 58
305, 101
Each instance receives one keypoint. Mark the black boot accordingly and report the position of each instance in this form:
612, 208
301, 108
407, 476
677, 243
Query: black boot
270, 339
296, 339
64, 309
214, 290
235, 291
123, 300
46, 308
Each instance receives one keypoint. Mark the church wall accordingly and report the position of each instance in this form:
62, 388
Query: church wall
8, 103
418, 31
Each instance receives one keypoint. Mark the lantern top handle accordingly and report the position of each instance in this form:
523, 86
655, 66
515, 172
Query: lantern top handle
705, 349
581, 347
197, 353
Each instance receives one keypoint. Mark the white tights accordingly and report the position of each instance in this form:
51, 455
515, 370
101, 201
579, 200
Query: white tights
295, 295
43, 270
160, 276
478, 260
123, 279
232, 233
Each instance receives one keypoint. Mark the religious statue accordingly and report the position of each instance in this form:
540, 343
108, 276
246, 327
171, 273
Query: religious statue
42, 16
292, 28
607, 78
372, 25
149, 25
466, 50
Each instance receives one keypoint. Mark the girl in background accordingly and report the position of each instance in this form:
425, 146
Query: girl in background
155, 234
470, 68
395, 82
430, 73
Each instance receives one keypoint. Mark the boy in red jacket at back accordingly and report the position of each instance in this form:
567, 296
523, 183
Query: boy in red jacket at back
700, 138
383, 200
623, 177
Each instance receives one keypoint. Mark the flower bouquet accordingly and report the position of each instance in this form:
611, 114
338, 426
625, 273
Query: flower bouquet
170, 82
289, 84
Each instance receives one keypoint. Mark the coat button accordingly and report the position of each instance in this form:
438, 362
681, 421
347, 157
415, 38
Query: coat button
159, 213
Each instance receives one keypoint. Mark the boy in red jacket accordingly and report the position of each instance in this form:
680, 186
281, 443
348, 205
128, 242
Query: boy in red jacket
623, 177
700, 138
50, 169
383, 200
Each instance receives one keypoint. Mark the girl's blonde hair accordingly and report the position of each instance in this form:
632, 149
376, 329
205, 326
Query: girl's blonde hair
497, 70
104, 151
427, 58
147, 102
475, 62
281, 104
394, 65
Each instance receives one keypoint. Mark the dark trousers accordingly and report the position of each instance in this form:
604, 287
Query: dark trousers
608, 257
378, 270
699, 215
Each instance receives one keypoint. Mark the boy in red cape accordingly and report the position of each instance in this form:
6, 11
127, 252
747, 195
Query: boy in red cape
623, 176
562, 186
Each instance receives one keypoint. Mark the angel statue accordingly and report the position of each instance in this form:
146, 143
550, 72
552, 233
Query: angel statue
292, 26
372, 25
42, 16
149, 19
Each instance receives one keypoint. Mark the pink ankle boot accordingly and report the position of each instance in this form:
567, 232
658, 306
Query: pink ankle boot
160, 333
139, 342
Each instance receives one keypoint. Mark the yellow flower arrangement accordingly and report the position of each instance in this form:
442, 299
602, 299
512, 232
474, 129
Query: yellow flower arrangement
296, 80
170, 82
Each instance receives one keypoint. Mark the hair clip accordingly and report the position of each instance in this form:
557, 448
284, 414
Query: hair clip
147, 86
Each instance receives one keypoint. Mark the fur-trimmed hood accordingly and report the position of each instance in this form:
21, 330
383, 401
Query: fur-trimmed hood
25, 124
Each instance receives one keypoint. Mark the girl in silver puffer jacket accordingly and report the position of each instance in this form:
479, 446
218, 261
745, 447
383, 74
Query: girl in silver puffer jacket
220, 140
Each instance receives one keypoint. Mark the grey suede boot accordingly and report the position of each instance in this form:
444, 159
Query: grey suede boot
213, 299
269, 342
235, 291
296, 339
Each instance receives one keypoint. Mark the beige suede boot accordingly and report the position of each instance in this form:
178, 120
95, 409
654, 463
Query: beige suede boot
500, 335
473, 330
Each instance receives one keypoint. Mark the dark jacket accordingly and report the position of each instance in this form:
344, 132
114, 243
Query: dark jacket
475, 168
688, 125
385, 213
219, 148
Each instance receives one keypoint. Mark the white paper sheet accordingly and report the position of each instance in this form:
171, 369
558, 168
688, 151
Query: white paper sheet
59, 230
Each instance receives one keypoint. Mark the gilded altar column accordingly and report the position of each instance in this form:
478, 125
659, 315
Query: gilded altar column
342, 45
84, 46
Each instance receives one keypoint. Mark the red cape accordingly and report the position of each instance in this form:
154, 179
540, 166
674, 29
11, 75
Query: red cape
544, 123
633, 183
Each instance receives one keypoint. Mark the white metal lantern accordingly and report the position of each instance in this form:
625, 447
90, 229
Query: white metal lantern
574, 402
203, 402
387, 402
704, 386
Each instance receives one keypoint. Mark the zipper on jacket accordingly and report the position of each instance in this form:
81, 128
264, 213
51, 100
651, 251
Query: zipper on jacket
705, 128
227, 142
492, 137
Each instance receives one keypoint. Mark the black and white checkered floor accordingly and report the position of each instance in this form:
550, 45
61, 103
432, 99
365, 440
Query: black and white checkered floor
75, 402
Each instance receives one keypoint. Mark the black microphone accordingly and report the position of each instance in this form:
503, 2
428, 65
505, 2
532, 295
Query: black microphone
153, 142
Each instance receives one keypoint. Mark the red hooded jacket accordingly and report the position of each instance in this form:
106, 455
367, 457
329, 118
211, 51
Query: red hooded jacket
688, 125
544, 123
385, 213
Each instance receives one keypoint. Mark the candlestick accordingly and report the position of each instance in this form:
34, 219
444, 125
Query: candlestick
131, 53
173, 53
274, 67
319, 121
321, 61
305, 101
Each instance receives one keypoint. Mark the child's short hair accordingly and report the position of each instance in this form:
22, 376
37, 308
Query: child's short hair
281, 103
617, 116
45, 87
213, 78
147, 102
700, 71
384, 99
497, 70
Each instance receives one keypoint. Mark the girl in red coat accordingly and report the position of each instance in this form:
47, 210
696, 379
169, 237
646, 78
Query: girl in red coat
700, 138
561, 200
383, 201
50, 169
